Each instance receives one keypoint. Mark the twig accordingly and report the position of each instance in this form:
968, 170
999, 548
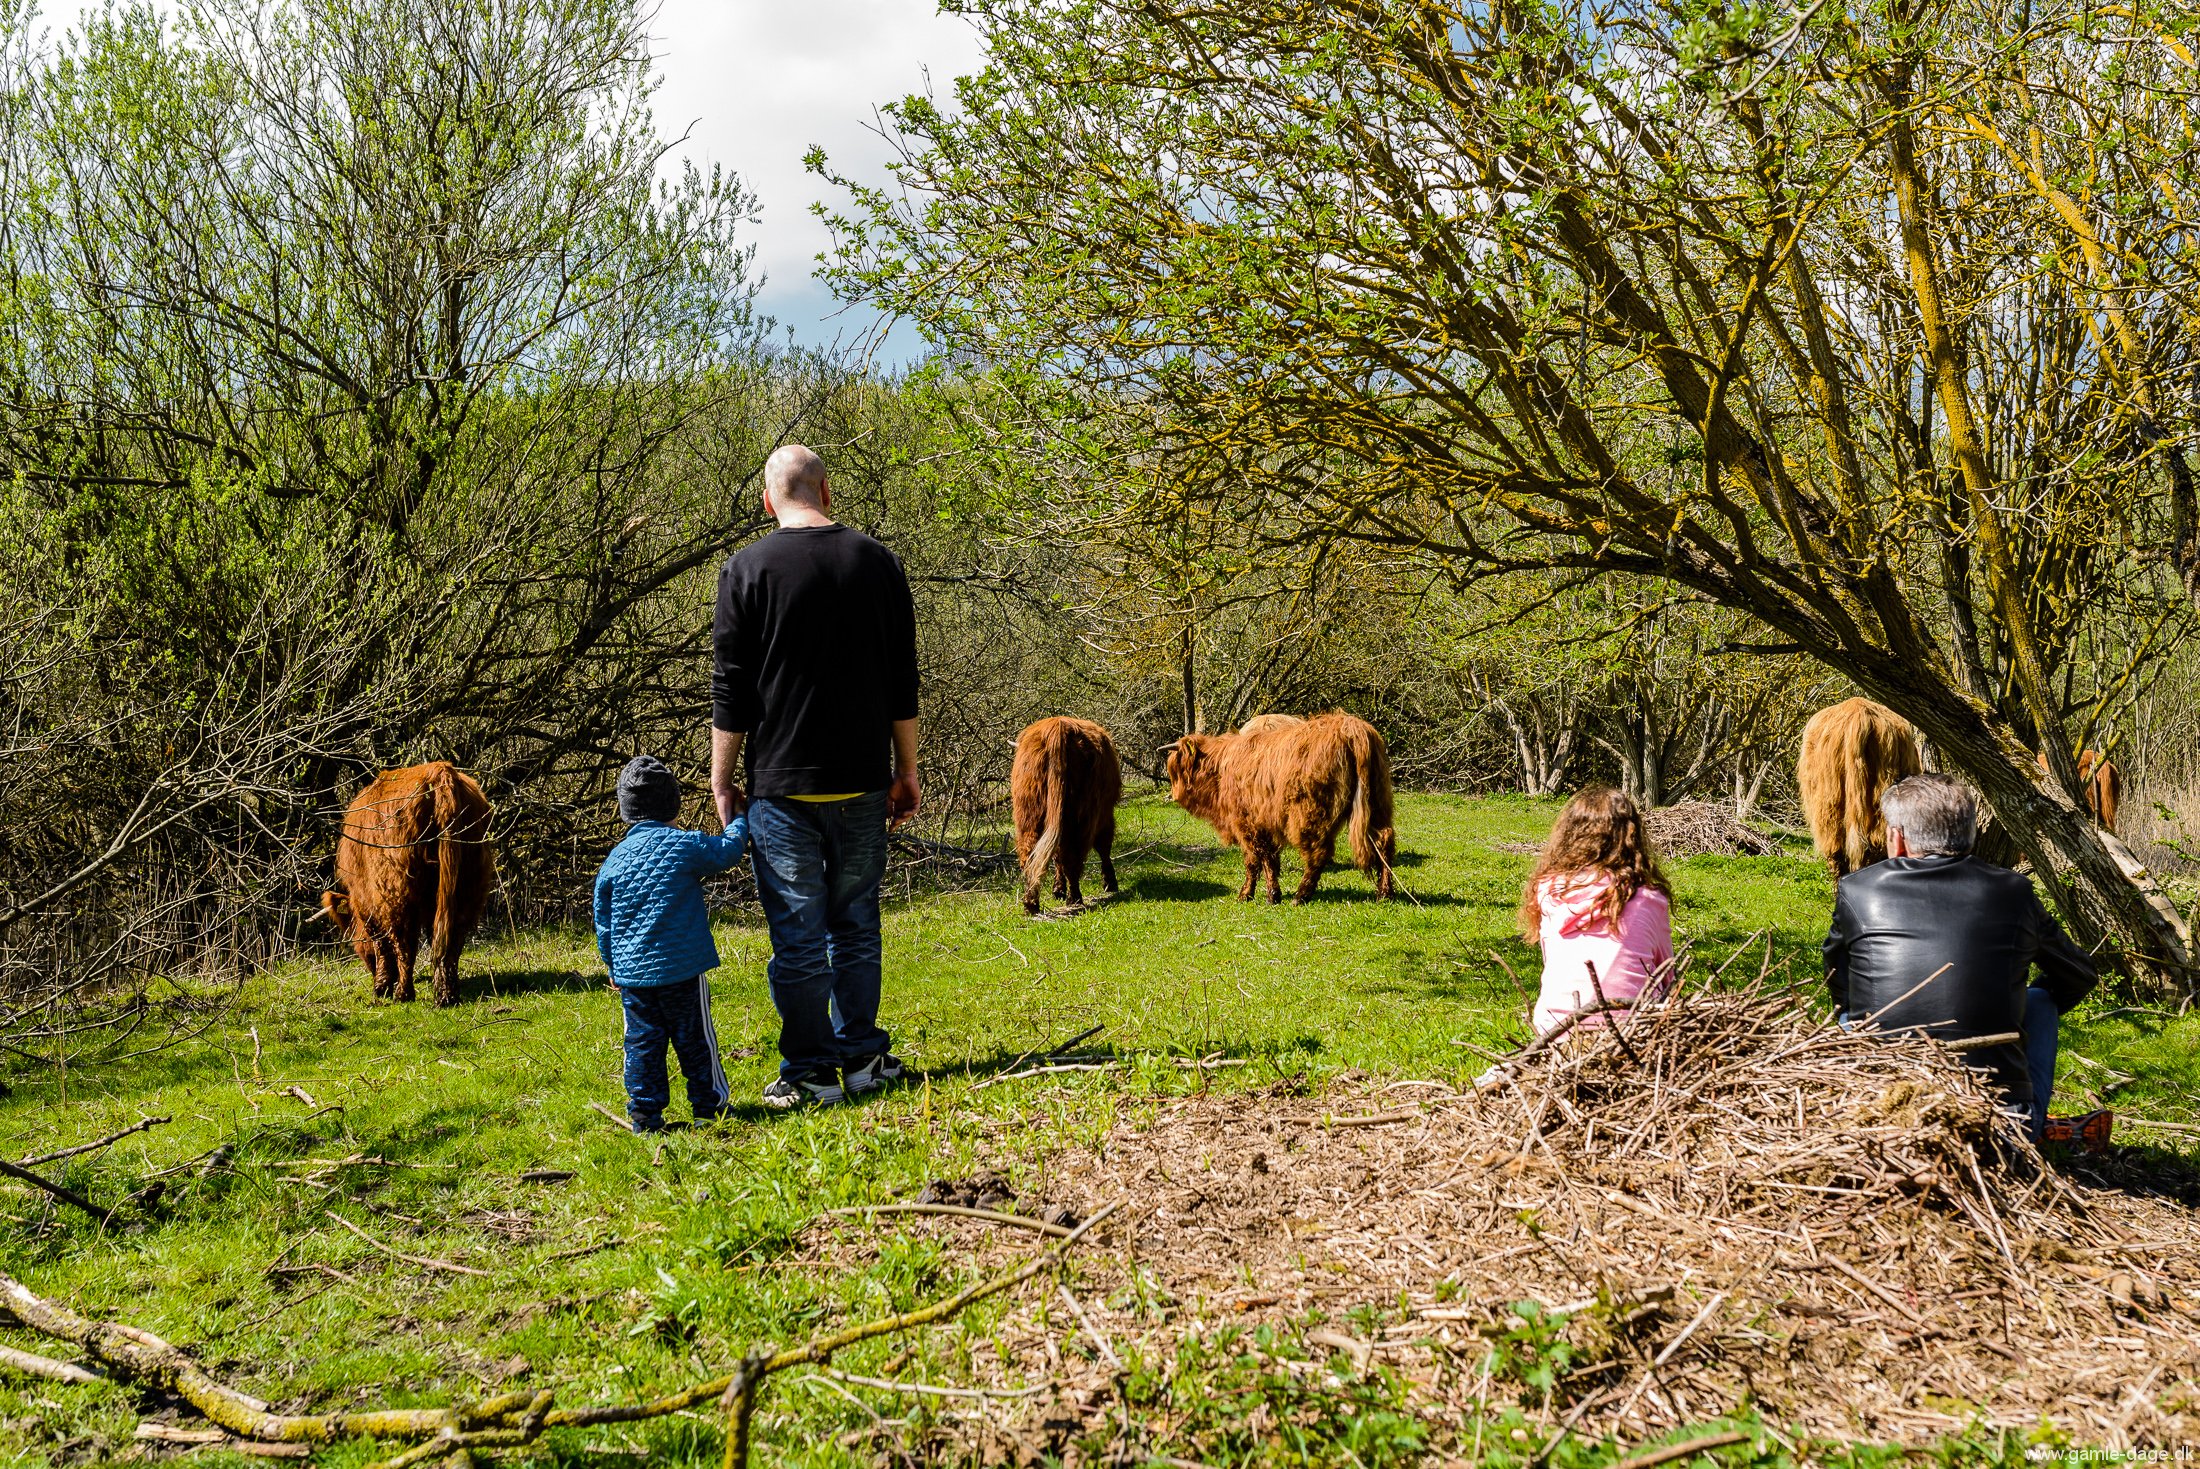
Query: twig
1376, 1119
1549, 1038
295, 1090
1045, 1071
1687, 1448
822, 1349
112, 1137
427, 1262
66, 1196
996, 1215
1076, 1040
1871, 1285
926, 1389
37, 1366
579, 1250
1091, 1331
1981, 1042
615, 1117
2123, 1120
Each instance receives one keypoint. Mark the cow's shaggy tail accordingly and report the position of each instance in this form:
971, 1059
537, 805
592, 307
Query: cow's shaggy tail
1054, 769
1374, 837
449, 854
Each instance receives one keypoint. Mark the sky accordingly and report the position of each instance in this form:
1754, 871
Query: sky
755, 83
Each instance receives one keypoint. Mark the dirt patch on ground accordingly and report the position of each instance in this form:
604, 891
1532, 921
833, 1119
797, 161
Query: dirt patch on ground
1729, 1202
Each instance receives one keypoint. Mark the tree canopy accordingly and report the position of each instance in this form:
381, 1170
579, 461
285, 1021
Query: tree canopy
1872, 322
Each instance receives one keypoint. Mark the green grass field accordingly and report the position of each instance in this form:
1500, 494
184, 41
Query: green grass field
657, 1264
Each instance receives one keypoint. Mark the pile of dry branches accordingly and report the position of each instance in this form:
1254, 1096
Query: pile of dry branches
1700, 828
1727, 1201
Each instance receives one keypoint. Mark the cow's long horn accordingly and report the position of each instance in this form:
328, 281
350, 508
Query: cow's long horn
1170, 747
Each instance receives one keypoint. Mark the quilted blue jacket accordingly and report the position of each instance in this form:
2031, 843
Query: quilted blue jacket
651, 923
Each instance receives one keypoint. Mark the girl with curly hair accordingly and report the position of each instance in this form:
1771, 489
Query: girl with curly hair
1597, 897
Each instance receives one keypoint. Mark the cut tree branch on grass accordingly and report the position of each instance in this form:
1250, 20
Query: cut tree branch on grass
509, 1421
66, 1196
426, 1262
92, 1147
34, 1365
996, 1216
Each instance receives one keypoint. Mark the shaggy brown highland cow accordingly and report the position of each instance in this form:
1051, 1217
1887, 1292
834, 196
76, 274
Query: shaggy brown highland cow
1298, 786
2103, 782
414, 855
1852, 752
1063, 789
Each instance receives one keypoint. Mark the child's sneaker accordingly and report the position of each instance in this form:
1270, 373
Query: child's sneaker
645, 1122
879, 1071
810, 1091
2088, 1133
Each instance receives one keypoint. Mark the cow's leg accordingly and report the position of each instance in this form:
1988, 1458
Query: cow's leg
1274, 855
1105, 846
406, 947
381, 965
446, 971
1317, 856
1252, 872
1073, 869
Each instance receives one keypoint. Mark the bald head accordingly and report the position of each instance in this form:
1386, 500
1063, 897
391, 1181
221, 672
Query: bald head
794, 481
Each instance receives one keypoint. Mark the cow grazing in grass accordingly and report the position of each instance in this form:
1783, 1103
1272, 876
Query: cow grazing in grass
1851, 753
1063, 789
1293, 786
2103, 782
414, 856
1262, 723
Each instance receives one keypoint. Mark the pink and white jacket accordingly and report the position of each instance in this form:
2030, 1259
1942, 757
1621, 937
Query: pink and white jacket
1630, 960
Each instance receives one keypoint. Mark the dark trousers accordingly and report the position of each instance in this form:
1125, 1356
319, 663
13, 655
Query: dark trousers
678, 1016
2042, 1038
818, 866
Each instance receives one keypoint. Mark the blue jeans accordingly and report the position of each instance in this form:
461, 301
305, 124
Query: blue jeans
2042, 1024
678, 1016
818, 867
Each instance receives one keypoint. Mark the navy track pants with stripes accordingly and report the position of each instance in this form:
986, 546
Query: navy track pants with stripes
677, 1016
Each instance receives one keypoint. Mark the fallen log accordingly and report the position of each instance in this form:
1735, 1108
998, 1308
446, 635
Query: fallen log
512, 1420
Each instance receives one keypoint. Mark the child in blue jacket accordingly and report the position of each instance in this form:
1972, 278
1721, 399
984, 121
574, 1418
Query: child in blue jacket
653, 931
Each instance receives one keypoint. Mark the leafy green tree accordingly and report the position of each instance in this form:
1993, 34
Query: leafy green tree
1867, 323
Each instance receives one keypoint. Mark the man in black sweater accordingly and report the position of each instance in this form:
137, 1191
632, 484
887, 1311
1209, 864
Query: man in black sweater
815, 677
1933, 939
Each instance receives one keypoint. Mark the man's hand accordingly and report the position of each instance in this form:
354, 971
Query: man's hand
902, 799
725, 785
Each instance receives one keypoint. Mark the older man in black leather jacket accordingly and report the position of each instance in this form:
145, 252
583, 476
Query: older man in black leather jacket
1933, 939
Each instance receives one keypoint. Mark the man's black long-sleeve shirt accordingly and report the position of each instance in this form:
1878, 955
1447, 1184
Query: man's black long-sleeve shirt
815, 659
1947, 945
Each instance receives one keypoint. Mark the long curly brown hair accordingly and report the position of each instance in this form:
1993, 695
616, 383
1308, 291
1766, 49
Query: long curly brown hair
1599, 831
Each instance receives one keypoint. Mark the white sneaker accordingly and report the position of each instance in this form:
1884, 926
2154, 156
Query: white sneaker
879, 1071
784, 1095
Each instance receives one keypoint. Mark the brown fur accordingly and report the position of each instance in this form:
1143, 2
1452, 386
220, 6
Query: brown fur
2103, 782
1063, 788
1851, 753
1599, 831
414, 856
1298, 786
1263, 723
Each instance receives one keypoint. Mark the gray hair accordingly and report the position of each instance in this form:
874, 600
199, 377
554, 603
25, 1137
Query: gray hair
1937, 814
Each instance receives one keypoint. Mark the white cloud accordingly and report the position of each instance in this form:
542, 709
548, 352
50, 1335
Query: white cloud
756, 83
